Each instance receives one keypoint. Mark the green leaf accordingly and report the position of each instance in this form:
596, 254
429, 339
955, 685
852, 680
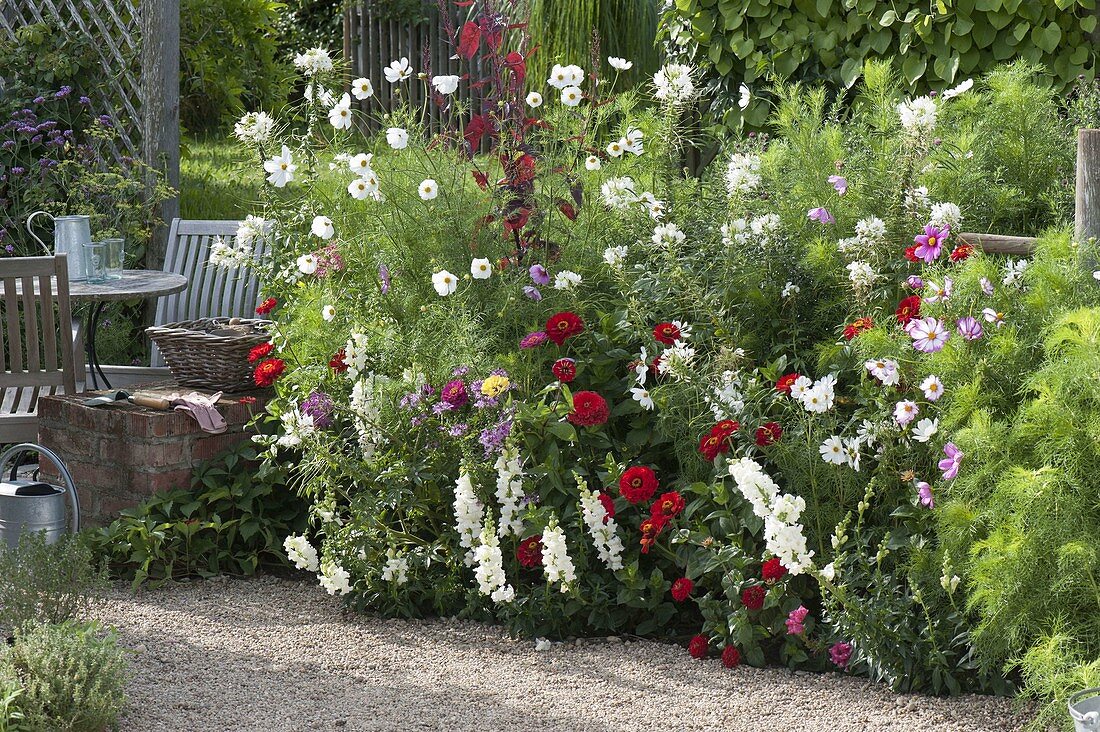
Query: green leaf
946, 67
888, 18
850, 71
1088, 25
1047, 38
562, 430
913, 68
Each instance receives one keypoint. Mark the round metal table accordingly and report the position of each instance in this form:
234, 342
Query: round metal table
134, 284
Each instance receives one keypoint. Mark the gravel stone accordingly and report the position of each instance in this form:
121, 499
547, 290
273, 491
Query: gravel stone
275, 655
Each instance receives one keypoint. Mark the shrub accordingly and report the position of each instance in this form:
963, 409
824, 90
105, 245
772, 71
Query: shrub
72, 677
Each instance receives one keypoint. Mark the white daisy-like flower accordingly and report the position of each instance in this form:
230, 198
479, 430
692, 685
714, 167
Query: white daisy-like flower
745, 98
960, 89
322, 227
328, 313
361, 188
571, 96
925, 429
592, 163
994, 316
632, 141
281, 168
428, 189
445, 84
534, 99
340, 114
620, 64
307, 264
360, 164
362, 88
398, 70
481, 269
932, 388
616, 149
832, 451
905, 412
565, 76
397, 138
641, 395
444, 283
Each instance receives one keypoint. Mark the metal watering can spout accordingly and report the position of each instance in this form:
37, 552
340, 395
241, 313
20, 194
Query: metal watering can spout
29, 506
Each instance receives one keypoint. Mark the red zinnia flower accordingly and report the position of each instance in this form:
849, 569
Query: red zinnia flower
961, 252
651, 528
608, 505
638, 484
908, 309
858, 326
785, 382
911, 253
529, 551
589, 409
681, 589
666, 333
768, 434
773, 570
563, 325
698, 646
266, 306
337, 363
261, 351
753, 597
667, 506
731, 657
565, 369
726, 427
268, 371
717, 442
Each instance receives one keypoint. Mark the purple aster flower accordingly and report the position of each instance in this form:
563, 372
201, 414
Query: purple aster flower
320, 406
39, 100
384, 275
9, 248
930, 243
532, 340
840, 183
440, 408
454, 394
532, 292
460, 371
969, 328
492, 438
929, 334
950, 464
499, 372
914, 282
821, 215
418, 420
539, 275
987, 286
85, 101
924, 492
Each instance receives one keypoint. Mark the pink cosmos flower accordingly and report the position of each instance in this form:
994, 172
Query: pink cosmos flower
840, 183
914, 282
969, 328
987, 286
924, 491
992, 316
930, 243
840, 654
905, 412
929, 334
795, 620
821, 215
950, 464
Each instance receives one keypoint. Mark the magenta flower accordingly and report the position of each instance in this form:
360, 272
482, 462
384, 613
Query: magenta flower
969, 328
821, 215
539, 275
533, 340
924, 491
840, 654
929, 334
795, 620
384, 275
840, 183
454, 394
930, 243
914, 282
950, 464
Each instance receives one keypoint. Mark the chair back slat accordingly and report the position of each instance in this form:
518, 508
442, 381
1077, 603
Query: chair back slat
30, 323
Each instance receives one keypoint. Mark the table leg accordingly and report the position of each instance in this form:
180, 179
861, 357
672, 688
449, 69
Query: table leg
89, 342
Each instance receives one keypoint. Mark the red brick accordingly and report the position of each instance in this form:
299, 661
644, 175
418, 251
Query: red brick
139, 454
69, 441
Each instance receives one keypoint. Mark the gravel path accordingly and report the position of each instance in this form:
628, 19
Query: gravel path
271, 654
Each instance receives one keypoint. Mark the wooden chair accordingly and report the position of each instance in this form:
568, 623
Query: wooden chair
36, 329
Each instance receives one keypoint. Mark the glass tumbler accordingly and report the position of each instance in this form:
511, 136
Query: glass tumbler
95, 261
115, 254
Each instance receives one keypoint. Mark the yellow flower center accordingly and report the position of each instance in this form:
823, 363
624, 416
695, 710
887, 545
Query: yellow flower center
931, 241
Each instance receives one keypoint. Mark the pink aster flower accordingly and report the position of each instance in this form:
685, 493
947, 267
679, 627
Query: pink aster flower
929, 334
969, 328
795, 620
532, 340
840, 654
840, 183
905, 412
821, 215
924, 492
930, 243
950, 464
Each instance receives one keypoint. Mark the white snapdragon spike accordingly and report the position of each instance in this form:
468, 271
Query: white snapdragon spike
673, 83
562, 77
396, 569
445, 84
755, 485
509, 491
362, 88
571, 96
254, 128
566, 280
335, 579
249, 230
322, 227
556, 563
945, 215
620, 64
428, 189
328, 313
469, 514
301, 552
314, 61
397, 138
783, 535
668, 235
280, 168
398, 71
534, 99
489, 566
676, 361
295, 427
481, 269
742, 173
355, 354
444, 283
307, 264
366, 406
918, 116
618, 193
601, 527
340, 114
614, 256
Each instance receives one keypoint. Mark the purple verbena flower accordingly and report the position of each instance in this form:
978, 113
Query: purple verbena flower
63, 92
930, 243
458, 430
85, 101
39, 100
384, 275
460, 371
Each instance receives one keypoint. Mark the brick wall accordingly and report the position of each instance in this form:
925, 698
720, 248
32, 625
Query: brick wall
121, 454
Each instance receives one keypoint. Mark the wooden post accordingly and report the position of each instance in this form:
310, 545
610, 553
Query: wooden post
160, 109
1087, 218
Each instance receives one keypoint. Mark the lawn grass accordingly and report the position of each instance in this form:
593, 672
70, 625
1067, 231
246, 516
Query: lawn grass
217, 181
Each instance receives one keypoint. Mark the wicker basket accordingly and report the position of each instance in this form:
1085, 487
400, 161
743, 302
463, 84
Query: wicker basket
211, 353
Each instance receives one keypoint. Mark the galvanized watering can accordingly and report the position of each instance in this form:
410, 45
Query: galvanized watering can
70, 234
1084, 707
28, 506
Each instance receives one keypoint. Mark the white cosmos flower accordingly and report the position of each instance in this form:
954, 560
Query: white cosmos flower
641, 395
632, 141
445, 84
592, 163
746, 97
801, 387
328, 312
905, 412
397, 138
444, 283
361, 163
851, 453
616, 149
361, 88
832, 451
614, 256
534, 99
307, 264
566, 280
398, 71
620, 63
565, 76
322, 227
993, 316
481, 269
428, 189
932, 388
281, 167
361, 188
925, 429
960, 89
571, 96
340, 114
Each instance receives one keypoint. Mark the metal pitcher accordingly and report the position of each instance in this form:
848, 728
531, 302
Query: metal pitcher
70, 234
29, 506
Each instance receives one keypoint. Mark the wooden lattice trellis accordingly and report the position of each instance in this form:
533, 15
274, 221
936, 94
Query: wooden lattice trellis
114, 28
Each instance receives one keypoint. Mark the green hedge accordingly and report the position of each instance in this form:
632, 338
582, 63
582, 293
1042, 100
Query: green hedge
935, 43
